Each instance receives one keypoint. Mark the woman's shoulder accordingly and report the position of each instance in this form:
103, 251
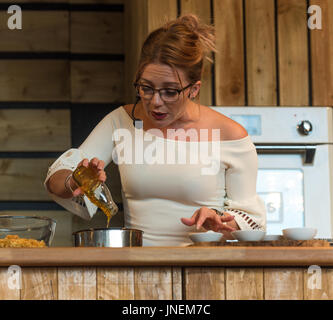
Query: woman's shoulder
128, 108
117, 118
230, 129
119, 113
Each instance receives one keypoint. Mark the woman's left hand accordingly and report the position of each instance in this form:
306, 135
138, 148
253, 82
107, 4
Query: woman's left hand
210, 220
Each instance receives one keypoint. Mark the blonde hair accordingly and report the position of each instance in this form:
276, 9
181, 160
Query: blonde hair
181, 43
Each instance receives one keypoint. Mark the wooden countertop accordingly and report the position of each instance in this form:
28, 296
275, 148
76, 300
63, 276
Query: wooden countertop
168, 256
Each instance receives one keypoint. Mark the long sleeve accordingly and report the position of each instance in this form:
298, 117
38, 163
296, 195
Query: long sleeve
241, 199
98, 144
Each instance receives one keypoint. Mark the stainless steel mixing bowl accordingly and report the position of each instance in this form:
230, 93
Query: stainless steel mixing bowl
110, 237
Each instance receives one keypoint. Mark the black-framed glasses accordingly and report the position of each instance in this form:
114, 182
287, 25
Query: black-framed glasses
166, 94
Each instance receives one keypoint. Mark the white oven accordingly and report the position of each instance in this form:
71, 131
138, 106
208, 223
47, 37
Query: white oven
295, 159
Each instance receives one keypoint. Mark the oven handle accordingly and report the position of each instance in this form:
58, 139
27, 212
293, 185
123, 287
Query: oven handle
308, 152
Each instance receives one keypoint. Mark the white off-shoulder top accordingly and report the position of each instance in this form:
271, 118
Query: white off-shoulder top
164, 180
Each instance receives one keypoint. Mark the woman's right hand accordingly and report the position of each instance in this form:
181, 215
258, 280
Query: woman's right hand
93, 163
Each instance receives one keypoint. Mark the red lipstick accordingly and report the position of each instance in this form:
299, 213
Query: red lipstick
159, 115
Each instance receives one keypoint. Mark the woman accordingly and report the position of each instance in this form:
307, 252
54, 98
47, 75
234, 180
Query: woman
168, 199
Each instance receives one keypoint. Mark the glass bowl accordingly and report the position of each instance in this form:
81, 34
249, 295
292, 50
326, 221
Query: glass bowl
28, 227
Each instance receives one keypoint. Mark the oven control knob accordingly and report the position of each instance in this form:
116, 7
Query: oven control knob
305, 127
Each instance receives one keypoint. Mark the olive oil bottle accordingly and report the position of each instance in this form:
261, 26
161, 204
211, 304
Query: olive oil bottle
96, 191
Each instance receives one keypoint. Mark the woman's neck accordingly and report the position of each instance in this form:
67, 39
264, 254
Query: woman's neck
188, 120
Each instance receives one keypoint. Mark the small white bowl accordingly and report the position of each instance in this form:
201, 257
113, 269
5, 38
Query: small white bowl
205, 236
299, 233
272, 237
248, 235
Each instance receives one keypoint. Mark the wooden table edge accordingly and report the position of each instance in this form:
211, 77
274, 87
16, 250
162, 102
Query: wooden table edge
168, 256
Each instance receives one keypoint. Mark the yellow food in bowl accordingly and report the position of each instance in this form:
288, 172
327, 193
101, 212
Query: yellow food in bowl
14, 241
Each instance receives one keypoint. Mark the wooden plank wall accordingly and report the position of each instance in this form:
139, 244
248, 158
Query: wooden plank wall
171, 283
267, 55
283, 62
322, 56
68, 56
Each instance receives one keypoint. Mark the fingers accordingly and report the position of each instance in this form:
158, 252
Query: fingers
84, 162
203, 216
207, 218
227, 218
224, 219
187, 221
96, 164
102, 176
77, 192
200, 218
100, 165
226, 228
190, 221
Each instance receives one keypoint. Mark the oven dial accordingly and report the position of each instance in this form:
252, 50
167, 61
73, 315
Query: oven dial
305, 127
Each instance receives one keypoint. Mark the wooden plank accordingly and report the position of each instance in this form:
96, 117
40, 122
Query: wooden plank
273, 243
37, 30
213, 280
22, 80
322, 56
115, 283
244, 284
197, 7
77, 283
68, 1
153, 283
22, 179
97, 32
97, 81
159, 12
135, 32
35, 130
293, 52
318, 283
206, 90
39, 284
203, 10
118, 283
30, 1
9, 289
229, 61
260, 52
177, 283
97, 1
63, 232
168, 256
283, 284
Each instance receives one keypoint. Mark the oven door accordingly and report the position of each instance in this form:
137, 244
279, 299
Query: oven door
295, 184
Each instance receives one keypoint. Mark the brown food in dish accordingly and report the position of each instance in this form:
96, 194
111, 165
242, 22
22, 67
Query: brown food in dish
14, 241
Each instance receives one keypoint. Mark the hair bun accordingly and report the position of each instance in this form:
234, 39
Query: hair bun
204, 32
191, 21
